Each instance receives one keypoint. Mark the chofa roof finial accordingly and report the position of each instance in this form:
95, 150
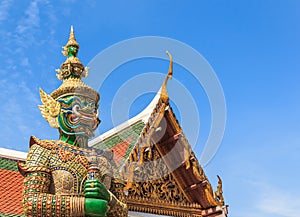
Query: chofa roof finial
164, 92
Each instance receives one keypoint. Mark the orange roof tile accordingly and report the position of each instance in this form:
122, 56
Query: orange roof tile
11, 192
120, 150
122, 142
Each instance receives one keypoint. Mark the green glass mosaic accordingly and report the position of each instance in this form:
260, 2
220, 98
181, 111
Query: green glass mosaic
6, 164
11, 215
132, 131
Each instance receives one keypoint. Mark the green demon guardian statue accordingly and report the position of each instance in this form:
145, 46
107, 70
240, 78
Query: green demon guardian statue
64, 178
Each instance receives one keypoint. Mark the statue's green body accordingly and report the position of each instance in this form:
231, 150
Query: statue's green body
62, 177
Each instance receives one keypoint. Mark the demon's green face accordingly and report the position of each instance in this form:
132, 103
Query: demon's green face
72, 51
78, 116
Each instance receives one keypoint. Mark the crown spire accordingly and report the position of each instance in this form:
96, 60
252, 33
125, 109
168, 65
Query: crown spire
72, 67
72, 71
72, 47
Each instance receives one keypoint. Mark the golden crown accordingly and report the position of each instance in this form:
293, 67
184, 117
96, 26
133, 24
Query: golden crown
71, 72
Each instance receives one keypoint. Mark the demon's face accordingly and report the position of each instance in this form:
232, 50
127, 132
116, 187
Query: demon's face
78, 115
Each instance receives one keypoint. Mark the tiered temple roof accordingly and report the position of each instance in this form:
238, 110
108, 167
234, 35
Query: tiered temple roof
162, 172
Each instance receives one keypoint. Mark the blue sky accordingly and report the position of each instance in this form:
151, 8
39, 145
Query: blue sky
253, 47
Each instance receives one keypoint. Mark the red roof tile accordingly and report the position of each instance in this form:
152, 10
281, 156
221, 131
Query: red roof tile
120, 150
11, 192
122, 142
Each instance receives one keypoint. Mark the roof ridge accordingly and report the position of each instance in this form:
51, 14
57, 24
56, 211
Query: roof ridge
143, 116
146, 114
12, 154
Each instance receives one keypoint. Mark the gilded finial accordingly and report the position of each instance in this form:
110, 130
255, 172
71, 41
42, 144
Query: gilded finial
164, 92
71, 48
72, 67
170, 72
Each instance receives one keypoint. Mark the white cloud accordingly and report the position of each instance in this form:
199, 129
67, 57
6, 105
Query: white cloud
28, 32
4, 7
31, 19
279, 202
19, 112
272, 201
27, 28
31, 96
24, 62
37, 16
51, 13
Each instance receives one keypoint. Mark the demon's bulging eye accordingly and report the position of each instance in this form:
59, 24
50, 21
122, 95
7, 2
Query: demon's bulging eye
76, 108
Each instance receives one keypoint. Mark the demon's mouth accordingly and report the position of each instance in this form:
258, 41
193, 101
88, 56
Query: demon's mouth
78, 121
83, 116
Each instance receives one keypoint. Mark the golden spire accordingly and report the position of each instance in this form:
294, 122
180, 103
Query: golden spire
71, 72
72, 67
71, 42
164, 91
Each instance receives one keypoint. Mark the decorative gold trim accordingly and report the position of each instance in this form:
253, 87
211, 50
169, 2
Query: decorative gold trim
218, 194
75, 86
164, 208
50, 109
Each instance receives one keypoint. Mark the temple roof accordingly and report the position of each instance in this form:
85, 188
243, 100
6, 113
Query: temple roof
11, 183
134, 128
139, 135
123, 138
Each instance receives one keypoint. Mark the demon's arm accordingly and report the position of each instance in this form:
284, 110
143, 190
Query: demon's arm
38, 200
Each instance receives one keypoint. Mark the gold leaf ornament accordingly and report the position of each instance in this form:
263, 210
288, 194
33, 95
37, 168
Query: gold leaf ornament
50, 109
